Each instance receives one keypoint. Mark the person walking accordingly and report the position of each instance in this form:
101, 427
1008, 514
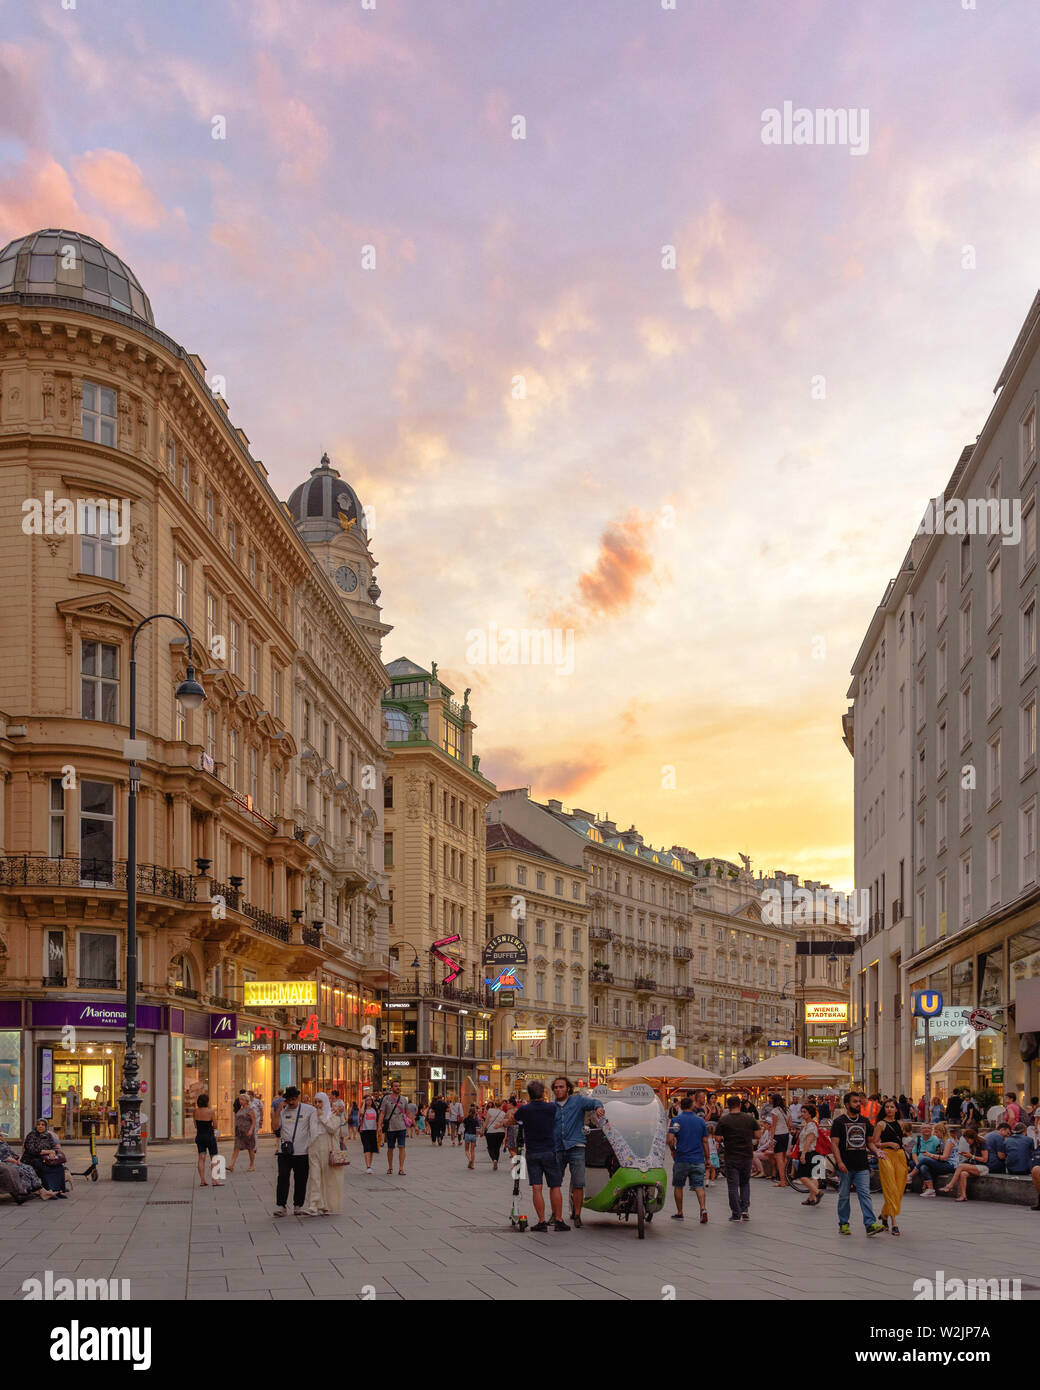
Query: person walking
352, 1120
738, 1133
780, 1128
368, 1127
509, 1106
850, 1134
439, 1106
256, 1102
299, 1126
321, 1174
205, 1137
396, 1117
808, 1137
538, 1121
689, 1143
887, 1143
470, 1126
276, 1110
245, 1135
494, 1132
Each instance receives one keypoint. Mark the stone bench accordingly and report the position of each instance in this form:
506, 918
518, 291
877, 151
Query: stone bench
1015, 1189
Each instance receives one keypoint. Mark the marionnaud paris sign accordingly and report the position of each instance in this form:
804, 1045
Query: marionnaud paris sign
505, 950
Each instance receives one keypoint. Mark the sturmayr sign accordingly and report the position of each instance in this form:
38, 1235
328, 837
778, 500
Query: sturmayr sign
505, 950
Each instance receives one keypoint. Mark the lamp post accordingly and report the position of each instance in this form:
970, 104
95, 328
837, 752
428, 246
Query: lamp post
129, 1163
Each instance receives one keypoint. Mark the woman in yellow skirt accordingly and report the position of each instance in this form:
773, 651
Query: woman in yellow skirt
887, 1143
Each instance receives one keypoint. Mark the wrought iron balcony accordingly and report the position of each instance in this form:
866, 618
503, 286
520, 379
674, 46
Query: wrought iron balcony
54, 982
266, 922
231, 896
183, 992
644, 985
600, 975
311, 936
685, 992
94, 982
39, 871
682, 952
600, 933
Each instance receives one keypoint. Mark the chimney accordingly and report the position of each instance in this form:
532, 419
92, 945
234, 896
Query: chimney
554, 805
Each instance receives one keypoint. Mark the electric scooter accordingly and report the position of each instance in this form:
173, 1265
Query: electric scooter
92, 1171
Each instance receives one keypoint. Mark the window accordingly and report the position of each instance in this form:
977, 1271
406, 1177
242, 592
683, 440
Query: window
558, 990
181, 590
993, 680
388, 850
97, 960
1028, 642
940, 598
235, 652
965, 558
232, 538
920, 843
99, 554
1027, 843
993, 866
575, 938
993, 589
233, 759
965, 807
276, 692
96, 831
940, 748
1027, 736
940, 670
99, 413
521, 874
1028, 457
254, 672
1028, 536
252, 566
966, 632
539, 989
211, 511
966, 715
940, 823
902, 707
558, 936
171, 458
388, 793
212, 618
539, 879
940, 904
99, 682
558, 885
576, 890
186, 476
254, 775
211, 734
922, 710
57, 815
966, 889
539, 932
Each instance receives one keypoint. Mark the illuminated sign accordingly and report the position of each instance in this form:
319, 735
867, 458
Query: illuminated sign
454, 968
280, 993
826, 1013
530, 1034
505, 950
504, 980
436, 1073
392, 1062
822, 1042
926, 1003
778, 1042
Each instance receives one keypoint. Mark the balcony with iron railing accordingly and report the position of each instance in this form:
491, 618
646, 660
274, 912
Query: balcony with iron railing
600, 975
685, 992
39, 871
98, 982
645, 985
682, 952
599, 932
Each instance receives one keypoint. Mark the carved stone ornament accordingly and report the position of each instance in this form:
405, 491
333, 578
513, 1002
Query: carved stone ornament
139, 546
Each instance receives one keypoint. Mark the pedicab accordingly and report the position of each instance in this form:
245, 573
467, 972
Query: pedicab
624, 1155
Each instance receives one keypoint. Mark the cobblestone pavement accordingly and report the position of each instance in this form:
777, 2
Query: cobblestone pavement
442, 1232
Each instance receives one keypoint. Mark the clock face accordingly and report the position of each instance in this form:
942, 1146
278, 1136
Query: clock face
346, 579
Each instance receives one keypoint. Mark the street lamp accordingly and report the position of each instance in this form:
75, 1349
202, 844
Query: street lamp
129, 1163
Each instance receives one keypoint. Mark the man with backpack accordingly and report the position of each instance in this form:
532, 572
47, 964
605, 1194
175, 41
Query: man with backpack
396, 1116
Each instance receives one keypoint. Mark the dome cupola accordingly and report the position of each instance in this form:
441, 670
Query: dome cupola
72, 266
325, 505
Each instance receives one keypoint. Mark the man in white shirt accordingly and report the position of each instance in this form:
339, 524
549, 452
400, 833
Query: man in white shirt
455, 1116
299, 1126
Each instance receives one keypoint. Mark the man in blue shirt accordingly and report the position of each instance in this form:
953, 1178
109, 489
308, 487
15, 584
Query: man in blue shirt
688, 1141
1018, 1151
569, 1137
994, 1146
538, 1121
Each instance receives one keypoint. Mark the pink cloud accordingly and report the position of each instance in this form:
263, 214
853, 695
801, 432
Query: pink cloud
115, 181
292, 127
39, 193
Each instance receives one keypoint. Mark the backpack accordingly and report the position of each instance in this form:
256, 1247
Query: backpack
823, 1144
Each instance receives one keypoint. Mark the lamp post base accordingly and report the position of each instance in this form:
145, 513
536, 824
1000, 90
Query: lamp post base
129, 1171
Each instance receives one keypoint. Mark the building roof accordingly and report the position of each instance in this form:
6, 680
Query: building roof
325, 505
72, 266
403, 666
502, 836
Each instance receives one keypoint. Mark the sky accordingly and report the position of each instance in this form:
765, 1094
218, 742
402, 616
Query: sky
638, 377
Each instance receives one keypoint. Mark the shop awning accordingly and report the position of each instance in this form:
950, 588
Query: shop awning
953, 1054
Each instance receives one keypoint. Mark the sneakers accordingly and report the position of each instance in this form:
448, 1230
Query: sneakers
845, 1229
542, 1226
560, 1226
704, 1218
744, 1216
876, 1229
734, 1218
577, 1222
677, 1216
928, 1192
279, 1211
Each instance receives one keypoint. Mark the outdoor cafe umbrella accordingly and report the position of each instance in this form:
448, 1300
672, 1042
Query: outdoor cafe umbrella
783, 1070
665, 1074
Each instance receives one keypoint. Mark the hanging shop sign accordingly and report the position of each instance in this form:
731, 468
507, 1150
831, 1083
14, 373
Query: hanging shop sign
778, 1042
504, 950
827, 1013
530, 1034
279, 994
926, 1003
822, 1042
223, 1026
437, 1074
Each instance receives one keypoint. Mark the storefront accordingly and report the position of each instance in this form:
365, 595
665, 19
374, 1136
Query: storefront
10, 1069
238, 1061
74, 1055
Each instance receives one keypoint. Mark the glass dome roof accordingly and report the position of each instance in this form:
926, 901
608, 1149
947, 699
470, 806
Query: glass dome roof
54, 261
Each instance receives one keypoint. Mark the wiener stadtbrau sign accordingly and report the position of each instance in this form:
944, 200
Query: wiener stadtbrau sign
505, 950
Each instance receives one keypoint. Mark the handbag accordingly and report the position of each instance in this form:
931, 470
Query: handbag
338, 1156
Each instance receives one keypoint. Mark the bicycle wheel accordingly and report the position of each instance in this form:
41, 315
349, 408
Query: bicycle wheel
641, 1213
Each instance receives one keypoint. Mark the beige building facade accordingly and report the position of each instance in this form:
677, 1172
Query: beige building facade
234, 884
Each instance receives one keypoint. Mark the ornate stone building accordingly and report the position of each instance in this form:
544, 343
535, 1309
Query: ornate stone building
435, 797
97, 403
533, 895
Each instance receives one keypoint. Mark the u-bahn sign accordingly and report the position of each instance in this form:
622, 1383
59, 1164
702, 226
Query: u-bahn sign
926, 1003
505, 950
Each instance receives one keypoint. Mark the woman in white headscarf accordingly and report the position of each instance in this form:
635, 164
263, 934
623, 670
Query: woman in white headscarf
334, 1172
318, 1151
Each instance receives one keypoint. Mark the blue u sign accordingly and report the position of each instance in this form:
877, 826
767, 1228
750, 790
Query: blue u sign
926, 1003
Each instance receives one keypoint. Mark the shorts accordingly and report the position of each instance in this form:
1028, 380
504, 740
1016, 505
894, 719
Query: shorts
574, 1159
780, 1143
207, 1145
469, 1136
805, 1166
687, 1172
544, 1165
395, 1138
369, 1141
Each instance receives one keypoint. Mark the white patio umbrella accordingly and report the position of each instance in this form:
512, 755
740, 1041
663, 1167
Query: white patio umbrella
665, 1074
785, 1070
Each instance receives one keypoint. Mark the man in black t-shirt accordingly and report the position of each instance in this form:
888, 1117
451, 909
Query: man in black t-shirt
738, 1133
850, 1135
538, 1121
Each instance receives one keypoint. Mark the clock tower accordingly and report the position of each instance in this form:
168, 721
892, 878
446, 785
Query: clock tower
331, 521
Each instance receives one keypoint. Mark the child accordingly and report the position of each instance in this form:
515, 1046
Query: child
713, 1157
420, 1121
470, 1125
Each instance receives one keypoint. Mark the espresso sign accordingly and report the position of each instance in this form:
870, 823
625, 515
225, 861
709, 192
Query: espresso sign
505, 950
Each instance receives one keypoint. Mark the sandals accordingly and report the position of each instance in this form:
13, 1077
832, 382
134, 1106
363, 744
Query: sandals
810, 1202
